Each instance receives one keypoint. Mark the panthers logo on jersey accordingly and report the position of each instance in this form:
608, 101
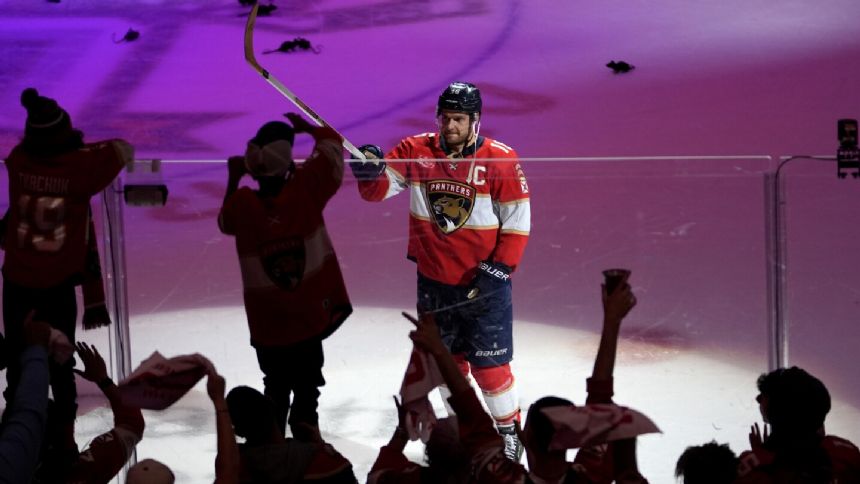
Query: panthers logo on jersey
451, 203
284, 262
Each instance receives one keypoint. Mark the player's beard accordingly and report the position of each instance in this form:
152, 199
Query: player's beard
454, 139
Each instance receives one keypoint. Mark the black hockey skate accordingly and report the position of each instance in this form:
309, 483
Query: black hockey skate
513, 446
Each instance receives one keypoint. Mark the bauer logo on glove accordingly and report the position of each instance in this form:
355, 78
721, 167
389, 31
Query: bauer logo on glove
489, 277
368, 170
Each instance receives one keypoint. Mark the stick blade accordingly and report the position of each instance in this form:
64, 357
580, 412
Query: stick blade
249, 42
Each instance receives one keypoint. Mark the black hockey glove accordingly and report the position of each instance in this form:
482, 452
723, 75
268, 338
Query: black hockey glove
371, 169
491, 276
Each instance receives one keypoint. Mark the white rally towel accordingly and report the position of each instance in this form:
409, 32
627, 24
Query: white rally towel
422, 376
594, 424
159, 382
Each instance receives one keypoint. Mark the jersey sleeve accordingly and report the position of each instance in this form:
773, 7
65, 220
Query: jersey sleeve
510, 193
26, 418
105, 456
106, 160
323, 171
231, 210
393, 180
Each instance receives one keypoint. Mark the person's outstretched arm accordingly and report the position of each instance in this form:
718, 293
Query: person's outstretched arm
426, 337
107, 453
26, 417
322, 171
477, 430
227, 460
615, 307
391, 463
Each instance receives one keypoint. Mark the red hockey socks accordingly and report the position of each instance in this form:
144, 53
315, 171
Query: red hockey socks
500, 393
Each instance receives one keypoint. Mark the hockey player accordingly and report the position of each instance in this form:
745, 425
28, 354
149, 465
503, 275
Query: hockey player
52, 176
293, 288
469, 224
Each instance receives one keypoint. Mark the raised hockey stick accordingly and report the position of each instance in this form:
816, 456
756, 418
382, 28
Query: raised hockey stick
252, 59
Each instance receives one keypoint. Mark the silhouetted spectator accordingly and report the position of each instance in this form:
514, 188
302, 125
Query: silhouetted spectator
106, 454
268, 457
615, 461
151, 471
52, 176
485, 448
710, 463
796, 449
447, 459
293, 288
25, 417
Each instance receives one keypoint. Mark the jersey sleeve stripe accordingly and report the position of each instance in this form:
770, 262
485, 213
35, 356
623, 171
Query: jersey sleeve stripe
497, 144
396, 182
516, 216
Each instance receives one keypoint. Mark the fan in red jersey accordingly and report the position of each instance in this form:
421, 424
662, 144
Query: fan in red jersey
53, 175
293, 287
468, 227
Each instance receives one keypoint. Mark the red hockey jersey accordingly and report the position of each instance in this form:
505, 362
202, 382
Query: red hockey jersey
462, 210
293, 286
49, 203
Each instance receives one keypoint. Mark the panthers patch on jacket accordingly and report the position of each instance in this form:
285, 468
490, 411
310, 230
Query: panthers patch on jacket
293, 286
462, 210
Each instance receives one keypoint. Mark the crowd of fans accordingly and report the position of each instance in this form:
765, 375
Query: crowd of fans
37, 444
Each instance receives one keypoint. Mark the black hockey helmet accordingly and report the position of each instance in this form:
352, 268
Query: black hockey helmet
460, 96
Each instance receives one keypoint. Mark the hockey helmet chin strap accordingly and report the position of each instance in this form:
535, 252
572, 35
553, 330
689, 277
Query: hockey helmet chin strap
275, 159
476, 127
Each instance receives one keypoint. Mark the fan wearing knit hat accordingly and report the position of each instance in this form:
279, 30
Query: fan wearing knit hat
294, 292
52, 176
48, 128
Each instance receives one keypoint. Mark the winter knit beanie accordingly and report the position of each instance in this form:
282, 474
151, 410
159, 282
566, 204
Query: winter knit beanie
44, 116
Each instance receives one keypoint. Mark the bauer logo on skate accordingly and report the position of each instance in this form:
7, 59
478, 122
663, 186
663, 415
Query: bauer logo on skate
451, 203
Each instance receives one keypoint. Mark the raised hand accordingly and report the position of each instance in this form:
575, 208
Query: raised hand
757, 437
95, 369
426, 334
300, 124
236, 167
617, 304
215, 386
